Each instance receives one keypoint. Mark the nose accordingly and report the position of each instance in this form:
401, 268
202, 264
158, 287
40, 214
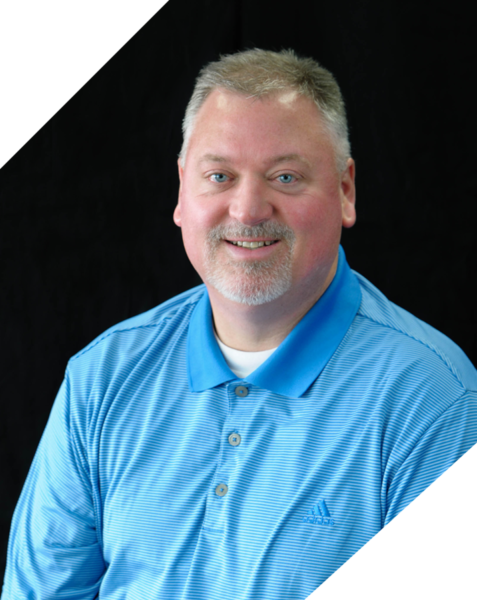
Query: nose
250, 204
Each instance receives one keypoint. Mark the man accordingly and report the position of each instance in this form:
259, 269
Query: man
245, 438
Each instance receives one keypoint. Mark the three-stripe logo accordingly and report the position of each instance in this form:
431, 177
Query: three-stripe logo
319, 515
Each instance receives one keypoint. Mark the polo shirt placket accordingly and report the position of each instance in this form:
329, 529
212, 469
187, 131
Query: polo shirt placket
230, 451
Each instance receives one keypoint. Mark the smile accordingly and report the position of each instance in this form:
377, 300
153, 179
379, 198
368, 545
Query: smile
253, 245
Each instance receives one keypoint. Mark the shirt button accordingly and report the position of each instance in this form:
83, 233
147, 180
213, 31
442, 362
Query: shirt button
221, 489
241, 391
234, 439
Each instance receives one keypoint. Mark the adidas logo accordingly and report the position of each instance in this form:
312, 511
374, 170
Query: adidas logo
319, 515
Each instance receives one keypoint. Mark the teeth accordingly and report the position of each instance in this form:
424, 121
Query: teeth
252, 245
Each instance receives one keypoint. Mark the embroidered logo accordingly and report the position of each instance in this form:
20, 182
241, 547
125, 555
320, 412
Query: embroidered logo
319, 515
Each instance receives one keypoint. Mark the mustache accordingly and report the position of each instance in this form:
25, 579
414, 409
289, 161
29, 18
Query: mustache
276, 231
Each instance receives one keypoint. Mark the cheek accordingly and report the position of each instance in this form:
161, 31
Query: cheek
200, 212
318, 219
318, 231
193, 243
197, 221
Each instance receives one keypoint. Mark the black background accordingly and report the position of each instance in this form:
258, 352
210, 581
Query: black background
87, 237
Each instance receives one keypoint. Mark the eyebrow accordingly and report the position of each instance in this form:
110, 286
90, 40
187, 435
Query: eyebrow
288, 157
213, 158
274, 161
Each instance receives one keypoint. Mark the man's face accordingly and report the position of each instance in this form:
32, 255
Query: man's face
263, 172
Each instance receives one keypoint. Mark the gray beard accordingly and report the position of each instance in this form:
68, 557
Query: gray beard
246, 282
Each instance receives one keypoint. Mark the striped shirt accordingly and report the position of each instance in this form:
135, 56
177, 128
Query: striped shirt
161, 476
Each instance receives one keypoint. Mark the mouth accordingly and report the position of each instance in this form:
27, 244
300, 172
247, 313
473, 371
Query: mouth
252, 245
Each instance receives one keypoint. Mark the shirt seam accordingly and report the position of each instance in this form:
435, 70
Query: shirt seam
163, 320
437, 417
431, 424
447, 362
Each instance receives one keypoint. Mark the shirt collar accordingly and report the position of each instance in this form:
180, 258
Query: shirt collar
302, 355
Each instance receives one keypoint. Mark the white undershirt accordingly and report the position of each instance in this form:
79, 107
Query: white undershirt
242, 363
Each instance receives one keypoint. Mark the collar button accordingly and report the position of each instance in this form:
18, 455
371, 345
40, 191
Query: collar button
241, 391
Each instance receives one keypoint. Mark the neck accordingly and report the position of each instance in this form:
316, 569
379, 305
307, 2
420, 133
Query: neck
262, 327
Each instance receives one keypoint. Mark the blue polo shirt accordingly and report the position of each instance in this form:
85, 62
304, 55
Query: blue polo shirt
160, 475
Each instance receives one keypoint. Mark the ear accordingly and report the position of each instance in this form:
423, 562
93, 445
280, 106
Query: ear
348, 195
177, 210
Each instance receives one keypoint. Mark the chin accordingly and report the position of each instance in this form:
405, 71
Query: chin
251, 291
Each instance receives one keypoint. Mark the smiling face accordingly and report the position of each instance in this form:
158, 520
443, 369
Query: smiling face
261, 202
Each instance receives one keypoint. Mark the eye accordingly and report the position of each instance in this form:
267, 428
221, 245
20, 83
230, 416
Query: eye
219, 177
286, 178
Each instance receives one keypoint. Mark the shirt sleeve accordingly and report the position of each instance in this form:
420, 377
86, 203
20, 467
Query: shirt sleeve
441, 445
54, 550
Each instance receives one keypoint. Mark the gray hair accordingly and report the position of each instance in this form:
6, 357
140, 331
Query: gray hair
256, 73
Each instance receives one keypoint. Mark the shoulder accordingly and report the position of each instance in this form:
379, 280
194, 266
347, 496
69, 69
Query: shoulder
402, 335
130, 338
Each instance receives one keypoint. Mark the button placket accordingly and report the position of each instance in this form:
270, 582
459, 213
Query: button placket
229, 456
234, 439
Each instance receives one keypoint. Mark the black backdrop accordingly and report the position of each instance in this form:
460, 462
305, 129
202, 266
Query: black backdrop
87, 237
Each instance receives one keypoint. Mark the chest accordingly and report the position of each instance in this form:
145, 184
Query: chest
173, 464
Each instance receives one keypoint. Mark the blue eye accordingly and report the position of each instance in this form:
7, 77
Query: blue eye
219, 177
286, 178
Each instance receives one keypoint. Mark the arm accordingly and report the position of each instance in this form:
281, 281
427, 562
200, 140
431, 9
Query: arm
441, 445
54, 549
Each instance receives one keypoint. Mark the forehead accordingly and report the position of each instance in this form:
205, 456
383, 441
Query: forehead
287, 105
284, 123
228, 100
